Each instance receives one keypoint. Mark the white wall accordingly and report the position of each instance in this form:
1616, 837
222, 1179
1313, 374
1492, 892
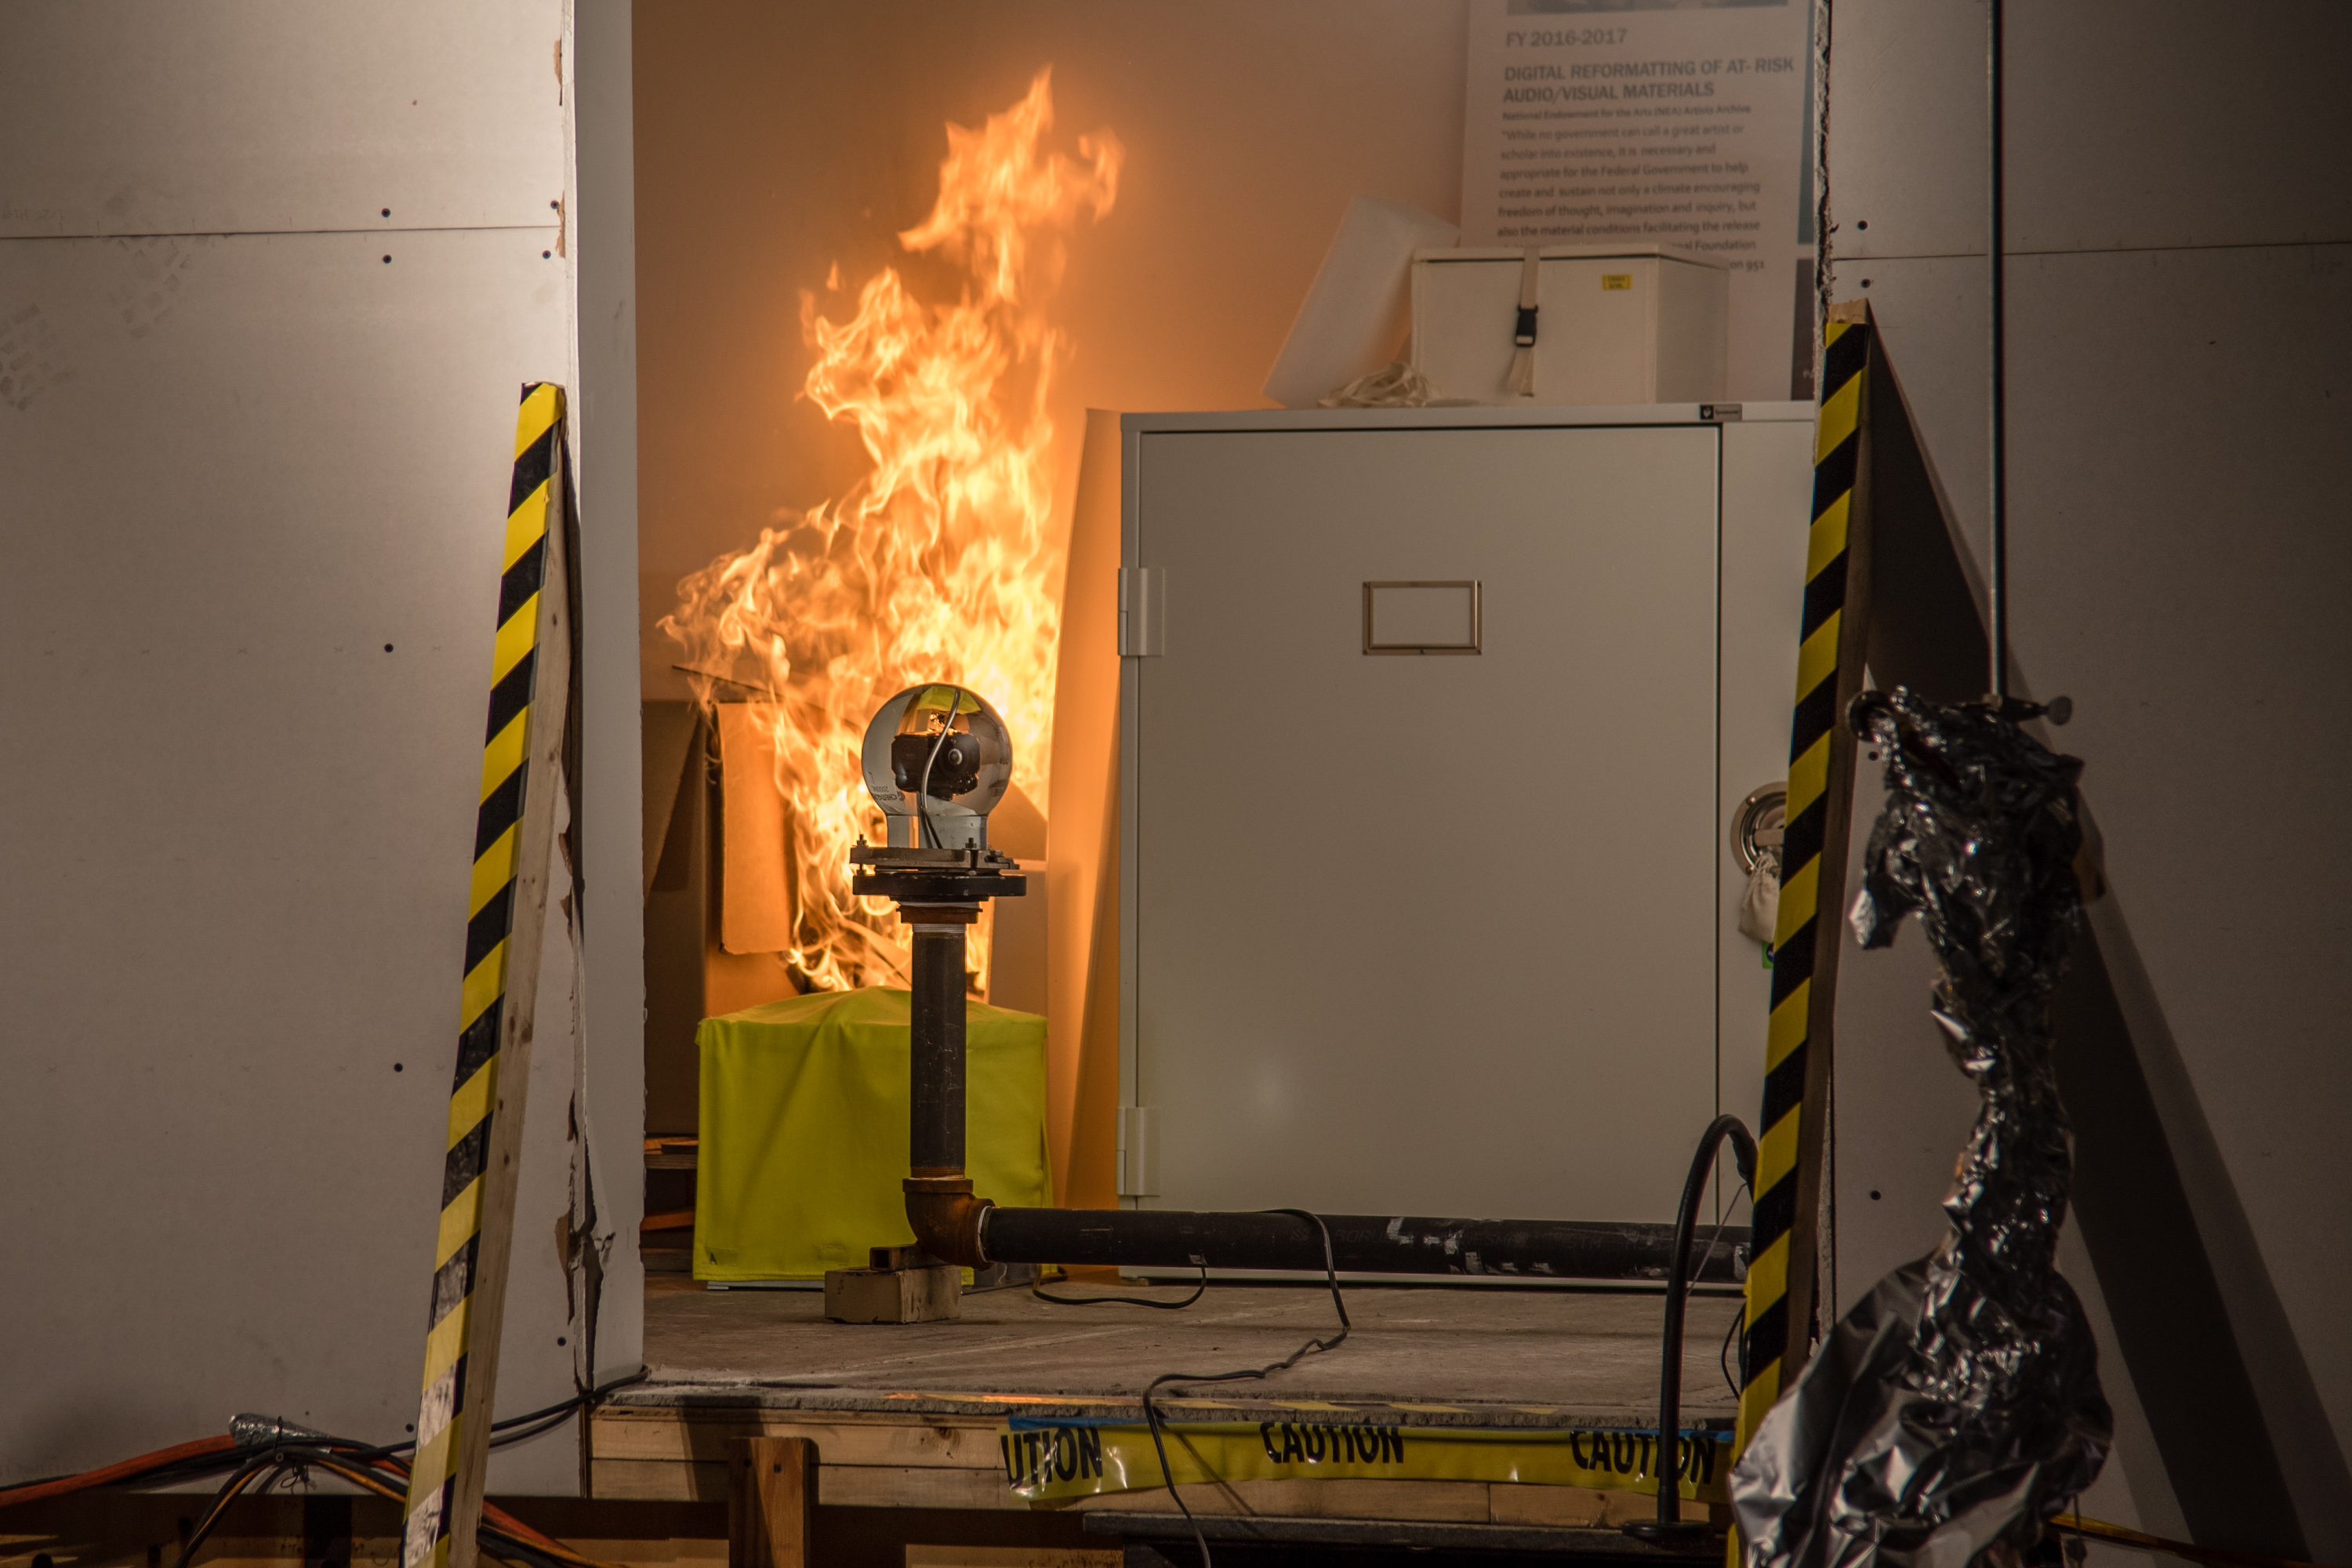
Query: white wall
601, 210
2180, 318
271, 277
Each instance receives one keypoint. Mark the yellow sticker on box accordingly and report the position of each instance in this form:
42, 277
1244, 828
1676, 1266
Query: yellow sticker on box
1616, 280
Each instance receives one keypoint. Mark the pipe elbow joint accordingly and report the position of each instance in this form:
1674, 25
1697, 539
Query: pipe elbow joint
947, 1218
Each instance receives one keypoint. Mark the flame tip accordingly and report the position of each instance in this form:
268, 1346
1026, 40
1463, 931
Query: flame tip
940, 562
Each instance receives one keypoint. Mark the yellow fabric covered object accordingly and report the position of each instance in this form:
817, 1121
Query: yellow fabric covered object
804, 1128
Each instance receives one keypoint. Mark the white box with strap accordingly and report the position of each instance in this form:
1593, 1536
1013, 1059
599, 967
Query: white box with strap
1570, 324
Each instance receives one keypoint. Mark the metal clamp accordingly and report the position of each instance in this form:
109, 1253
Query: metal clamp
1758, 824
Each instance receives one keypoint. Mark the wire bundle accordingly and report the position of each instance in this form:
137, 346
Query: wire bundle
260, 1450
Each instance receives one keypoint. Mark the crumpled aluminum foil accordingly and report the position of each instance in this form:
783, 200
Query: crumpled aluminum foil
1956, 1406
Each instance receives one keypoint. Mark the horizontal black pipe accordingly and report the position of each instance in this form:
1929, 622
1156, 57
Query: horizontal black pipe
1361, 1244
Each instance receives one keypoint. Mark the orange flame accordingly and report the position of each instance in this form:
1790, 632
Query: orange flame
940, 564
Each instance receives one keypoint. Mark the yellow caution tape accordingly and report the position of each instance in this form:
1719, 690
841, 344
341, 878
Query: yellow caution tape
1053, 1461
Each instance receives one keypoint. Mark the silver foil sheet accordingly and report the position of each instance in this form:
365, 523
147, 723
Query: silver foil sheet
1956, 1406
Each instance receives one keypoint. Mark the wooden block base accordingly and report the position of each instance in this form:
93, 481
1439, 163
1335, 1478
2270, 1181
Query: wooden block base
928, 1295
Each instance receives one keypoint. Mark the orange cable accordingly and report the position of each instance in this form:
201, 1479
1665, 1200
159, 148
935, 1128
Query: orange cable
36, 1492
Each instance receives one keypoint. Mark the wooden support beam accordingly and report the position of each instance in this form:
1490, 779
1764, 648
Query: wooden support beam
905, 1294
522, 778
771, 1502
1792, 1125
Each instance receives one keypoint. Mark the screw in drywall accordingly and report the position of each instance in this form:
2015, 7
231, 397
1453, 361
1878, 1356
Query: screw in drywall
387, 261
387, 212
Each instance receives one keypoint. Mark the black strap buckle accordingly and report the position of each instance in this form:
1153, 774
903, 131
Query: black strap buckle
1525, 335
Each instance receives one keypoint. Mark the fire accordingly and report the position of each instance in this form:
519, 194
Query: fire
940, 564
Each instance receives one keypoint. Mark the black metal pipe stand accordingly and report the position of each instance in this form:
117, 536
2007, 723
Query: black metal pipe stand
935, 1037
939, 894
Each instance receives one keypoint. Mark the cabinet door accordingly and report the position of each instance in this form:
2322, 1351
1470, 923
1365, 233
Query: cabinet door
1429, 934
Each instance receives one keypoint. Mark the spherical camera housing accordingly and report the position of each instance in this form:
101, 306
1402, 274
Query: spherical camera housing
936, 759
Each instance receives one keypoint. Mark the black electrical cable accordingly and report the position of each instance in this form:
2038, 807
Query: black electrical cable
221, 1500
923, 789
553, 1415
1198, 1292
1723, 1356
560, 1418
171, 1471
1740, 1318
1155, 1421
1669, 1526
299, 1449
1997, 377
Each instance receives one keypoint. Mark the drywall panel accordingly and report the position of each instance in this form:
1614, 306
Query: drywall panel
602, 215
249, 554
2179, 559
2186, 584
246, 116
2131, 125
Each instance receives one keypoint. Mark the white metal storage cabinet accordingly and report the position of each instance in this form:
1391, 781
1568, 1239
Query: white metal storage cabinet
1423, 933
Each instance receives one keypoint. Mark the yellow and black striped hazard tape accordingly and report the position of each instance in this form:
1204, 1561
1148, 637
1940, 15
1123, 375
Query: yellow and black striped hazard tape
458, 1264
1798, 933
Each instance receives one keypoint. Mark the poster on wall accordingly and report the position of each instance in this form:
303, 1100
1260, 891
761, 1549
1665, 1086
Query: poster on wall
1677, 122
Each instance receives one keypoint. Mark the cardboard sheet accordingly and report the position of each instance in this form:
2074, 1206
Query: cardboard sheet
803, 1129
669, 730
755, 891
1082, 839
1354, 316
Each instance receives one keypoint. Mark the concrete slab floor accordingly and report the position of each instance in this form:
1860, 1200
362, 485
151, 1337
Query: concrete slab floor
1579, 1355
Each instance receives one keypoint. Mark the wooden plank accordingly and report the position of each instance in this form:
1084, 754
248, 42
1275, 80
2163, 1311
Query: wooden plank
930, 1295
950, 1446
483, 1163
1806, 1233
640, 1551
838, 1486
771, 1502
883, 1486
658, 1480
1567, 1508
1014, 1557
902, 1464
895, 1415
